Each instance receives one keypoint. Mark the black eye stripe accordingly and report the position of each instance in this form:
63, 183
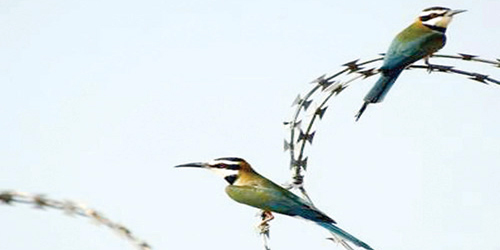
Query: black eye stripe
425, 18
431, 16
220, 165
227, 166
233, 167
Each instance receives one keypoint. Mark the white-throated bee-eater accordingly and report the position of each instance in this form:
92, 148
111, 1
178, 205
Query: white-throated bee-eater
422, 38
249, 187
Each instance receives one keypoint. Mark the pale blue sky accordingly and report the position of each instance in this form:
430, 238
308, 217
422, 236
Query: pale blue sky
100, 99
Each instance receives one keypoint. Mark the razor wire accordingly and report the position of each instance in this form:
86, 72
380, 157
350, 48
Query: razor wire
300, 126
72, 208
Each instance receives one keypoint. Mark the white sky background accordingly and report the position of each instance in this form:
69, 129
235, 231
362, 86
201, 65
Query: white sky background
100, 99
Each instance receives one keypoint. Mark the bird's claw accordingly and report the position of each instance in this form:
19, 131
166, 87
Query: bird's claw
439, 68
266, 216
264, 228
429, 69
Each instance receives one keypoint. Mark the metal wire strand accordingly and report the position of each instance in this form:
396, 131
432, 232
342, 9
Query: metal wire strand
72, 208
300, 126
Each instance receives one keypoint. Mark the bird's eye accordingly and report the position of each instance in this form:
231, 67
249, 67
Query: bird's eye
220, 165
434, 15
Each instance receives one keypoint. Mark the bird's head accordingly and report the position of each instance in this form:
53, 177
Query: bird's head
437, 17
230, 168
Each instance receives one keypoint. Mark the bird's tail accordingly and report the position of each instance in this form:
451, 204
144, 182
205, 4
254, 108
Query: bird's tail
344, 235
379, 90
382, 86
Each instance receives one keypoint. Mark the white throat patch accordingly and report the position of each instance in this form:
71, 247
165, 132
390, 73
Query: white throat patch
441, 21
438, 18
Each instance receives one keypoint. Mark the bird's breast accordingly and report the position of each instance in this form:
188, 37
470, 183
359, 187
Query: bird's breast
250, 195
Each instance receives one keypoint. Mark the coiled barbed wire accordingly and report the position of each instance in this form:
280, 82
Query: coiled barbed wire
325, 87
71, 208
300, 126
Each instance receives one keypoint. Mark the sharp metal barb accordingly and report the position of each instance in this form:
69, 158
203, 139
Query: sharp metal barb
319, 79
479, 77
310, 137
287, 146
325, 84
300, 163
320, 112
301, 102
367, 73
306, 137
302, 136
339, 89
306, 104
353, 66
444, 68
467, 57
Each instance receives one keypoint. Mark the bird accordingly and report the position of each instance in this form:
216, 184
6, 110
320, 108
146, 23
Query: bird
422, 38
248, 187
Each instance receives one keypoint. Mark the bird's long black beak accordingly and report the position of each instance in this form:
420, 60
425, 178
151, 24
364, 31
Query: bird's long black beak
454, 12
193, 165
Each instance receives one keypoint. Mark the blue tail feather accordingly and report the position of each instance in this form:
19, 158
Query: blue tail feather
382, 86
344, 235
379, 90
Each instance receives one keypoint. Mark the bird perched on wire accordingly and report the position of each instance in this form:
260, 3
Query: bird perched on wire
419, 40
249, 187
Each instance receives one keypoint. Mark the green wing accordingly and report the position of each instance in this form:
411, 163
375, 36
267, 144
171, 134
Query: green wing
276, 199
412, 44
